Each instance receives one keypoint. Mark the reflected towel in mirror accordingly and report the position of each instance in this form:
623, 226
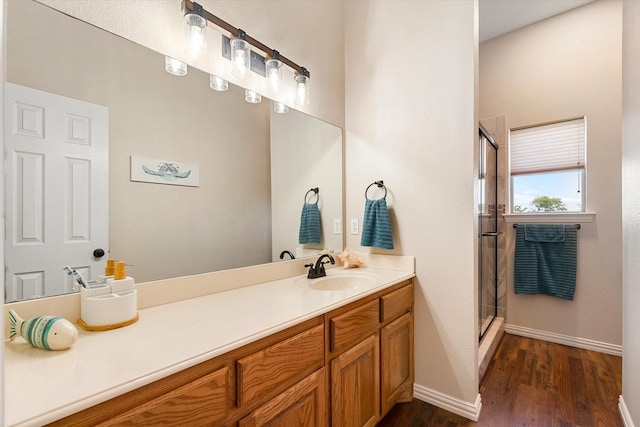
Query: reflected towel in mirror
309, 224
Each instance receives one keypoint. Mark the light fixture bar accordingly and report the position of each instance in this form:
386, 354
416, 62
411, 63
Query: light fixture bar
188, 5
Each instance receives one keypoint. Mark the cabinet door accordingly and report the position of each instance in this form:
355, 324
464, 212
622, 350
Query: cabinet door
397, 361
202, 402
355, 385
304, 404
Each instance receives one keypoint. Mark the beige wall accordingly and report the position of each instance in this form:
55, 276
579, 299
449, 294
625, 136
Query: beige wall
160, 230
410, 121
309, 33
631, 211
564, 67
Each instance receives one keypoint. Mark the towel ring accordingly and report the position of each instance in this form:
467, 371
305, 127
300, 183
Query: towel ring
380, 184
315, 191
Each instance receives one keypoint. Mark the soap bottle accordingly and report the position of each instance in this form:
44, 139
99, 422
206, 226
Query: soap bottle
108, 271
120, 282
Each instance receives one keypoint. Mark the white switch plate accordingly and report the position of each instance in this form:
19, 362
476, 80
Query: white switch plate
354, 225
337, 226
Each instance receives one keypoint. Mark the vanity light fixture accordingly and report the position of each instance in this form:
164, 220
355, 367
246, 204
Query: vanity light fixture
240, 55
218, 83
274, 72
175, 67
302, 87
252, 96
280, 108
196, 31
241, 44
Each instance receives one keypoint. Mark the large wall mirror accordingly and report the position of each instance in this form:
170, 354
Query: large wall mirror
254, 166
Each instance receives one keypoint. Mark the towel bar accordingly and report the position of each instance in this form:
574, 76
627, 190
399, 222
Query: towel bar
577, 226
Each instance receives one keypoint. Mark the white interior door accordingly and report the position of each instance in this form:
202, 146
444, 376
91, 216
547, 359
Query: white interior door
56, 207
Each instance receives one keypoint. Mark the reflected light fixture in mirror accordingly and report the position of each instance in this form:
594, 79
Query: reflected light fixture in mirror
252, 97
302, 87
280, 108
196, 31
175, 67
240, 55
218, 83
274, 72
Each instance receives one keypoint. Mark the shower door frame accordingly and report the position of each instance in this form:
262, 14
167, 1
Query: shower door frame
484, 234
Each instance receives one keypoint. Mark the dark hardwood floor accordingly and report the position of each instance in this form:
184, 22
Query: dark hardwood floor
533, 383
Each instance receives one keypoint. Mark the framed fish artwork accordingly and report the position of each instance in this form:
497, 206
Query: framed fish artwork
145, 169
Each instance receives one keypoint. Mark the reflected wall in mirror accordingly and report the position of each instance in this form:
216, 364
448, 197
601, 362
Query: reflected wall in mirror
248, 157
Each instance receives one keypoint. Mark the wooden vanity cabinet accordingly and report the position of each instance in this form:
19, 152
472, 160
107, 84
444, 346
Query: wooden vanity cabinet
345, 368
226, 389
371, 356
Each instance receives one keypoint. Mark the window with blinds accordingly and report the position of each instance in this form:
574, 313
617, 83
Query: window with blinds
547, 165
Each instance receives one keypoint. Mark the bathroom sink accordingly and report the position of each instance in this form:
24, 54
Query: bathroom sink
337, 282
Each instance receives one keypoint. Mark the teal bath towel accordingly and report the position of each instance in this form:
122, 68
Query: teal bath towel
376, 227
309, 224
545, 260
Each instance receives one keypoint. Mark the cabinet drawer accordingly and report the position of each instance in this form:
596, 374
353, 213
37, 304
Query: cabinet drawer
351, 327
280, 365
202, 402
396, 303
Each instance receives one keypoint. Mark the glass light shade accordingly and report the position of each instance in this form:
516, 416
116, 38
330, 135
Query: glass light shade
252, 96
302, 89
218, 83
280, 108
196, 33
240, 57
175, 67
274, 74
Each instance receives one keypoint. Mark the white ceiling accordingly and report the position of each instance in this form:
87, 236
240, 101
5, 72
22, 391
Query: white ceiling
499, 17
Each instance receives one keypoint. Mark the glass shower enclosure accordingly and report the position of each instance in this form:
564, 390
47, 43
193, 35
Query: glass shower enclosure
487, 232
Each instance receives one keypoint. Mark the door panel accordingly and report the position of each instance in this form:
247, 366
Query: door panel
56, 206
488, 234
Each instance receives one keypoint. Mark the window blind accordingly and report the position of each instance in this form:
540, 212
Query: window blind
548, 148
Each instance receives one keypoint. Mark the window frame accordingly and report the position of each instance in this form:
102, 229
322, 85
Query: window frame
583, 171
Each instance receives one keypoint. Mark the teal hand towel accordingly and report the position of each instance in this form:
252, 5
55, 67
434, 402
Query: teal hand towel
376, 226
544, 232
309, 224
546, 260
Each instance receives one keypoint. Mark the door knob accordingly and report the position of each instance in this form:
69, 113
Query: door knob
98, 253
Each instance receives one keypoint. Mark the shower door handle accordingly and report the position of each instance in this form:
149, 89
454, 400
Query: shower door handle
490, 234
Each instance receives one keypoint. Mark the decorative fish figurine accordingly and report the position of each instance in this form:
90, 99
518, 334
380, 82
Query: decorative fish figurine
46, 332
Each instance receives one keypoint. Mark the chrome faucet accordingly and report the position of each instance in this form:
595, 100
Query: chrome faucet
283, 253
318, 270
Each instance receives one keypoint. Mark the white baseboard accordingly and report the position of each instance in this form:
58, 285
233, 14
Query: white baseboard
449, 403
624, 413
602, 347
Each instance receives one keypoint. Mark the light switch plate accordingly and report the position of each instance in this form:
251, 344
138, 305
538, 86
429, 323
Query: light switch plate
337, 226
354, 225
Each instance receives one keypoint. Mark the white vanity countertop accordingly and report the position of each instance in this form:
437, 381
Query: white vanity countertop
43, 386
